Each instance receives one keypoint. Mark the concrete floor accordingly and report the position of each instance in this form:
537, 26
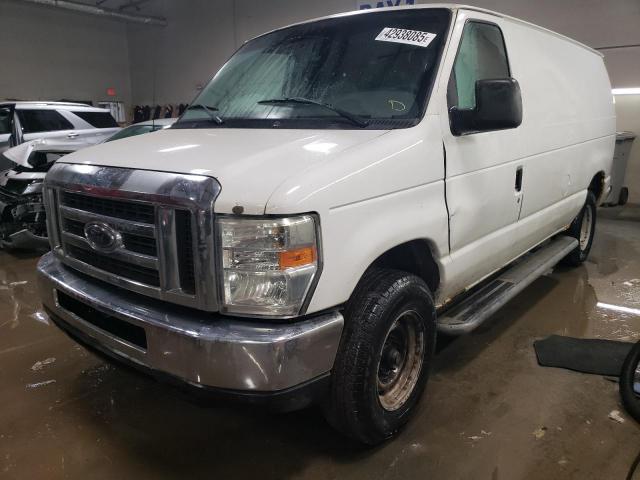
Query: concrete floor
490, 411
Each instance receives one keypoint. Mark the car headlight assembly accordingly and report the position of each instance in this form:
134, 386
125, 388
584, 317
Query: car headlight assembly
268, 264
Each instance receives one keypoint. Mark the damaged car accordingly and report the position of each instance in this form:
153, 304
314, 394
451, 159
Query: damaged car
22, 122
33, 135
22, 215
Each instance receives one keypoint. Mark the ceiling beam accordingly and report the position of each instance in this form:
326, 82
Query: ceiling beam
132, 4
99, 11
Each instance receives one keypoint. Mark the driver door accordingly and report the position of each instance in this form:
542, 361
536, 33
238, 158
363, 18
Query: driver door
483, 175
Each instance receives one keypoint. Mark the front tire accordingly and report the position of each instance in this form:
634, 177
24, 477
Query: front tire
385, 353
583, 229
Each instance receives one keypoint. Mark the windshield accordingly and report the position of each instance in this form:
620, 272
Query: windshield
134, 130
376, 68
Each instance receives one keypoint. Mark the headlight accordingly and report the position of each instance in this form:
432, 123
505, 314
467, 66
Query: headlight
268, 264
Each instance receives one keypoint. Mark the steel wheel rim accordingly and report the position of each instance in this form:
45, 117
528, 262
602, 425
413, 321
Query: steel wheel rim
585, 228
400, 360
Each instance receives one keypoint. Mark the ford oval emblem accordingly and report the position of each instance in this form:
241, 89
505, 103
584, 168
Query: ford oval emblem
102, 237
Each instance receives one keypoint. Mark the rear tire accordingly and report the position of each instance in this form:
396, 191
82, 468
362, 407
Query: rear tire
583, 229
382, 365
624, 196
630, 400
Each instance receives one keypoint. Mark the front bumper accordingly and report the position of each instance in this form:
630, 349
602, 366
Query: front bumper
196, 347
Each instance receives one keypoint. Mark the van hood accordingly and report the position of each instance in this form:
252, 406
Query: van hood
249, 164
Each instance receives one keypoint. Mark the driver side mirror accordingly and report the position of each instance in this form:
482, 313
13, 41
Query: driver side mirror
498, 107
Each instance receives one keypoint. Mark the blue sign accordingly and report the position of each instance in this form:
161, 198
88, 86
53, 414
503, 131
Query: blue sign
384, 3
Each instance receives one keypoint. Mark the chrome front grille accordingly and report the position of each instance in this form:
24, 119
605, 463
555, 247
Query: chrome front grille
163, 223
125, 269
113, 208
77, 210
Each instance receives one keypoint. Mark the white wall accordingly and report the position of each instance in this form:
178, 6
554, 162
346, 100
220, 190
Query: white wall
49, 54
624, 65
168, 63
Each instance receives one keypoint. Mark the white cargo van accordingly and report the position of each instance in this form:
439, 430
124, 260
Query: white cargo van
340, 191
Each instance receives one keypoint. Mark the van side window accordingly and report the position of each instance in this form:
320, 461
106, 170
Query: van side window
481, 56
34, 121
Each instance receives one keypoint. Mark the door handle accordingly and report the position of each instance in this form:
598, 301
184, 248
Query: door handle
73, 135
519, 179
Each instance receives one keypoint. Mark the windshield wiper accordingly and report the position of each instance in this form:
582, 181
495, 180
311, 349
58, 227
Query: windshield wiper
208, 110
352, 117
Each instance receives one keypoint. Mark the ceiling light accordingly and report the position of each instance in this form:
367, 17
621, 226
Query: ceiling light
626, 91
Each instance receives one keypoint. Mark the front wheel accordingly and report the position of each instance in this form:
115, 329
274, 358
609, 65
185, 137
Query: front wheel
385, 353
583, 229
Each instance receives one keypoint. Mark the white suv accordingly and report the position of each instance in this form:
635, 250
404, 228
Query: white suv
24, 121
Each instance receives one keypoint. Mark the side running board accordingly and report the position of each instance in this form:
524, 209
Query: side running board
478, 307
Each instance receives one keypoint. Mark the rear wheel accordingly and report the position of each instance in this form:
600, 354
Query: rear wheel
624, 196
629, 379
383, 362
583, 229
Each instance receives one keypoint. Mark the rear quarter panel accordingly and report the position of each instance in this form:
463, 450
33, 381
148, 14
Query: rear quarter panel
568, 127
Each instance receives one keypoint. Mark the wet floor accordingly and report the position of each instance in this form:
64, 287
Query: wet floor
490, 412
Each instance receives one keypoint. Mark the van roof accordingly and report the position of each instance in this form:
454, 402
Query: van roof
452, 6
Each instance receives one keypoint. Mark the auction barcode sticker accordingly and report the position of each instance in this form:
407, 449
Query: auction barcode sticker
410, 37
